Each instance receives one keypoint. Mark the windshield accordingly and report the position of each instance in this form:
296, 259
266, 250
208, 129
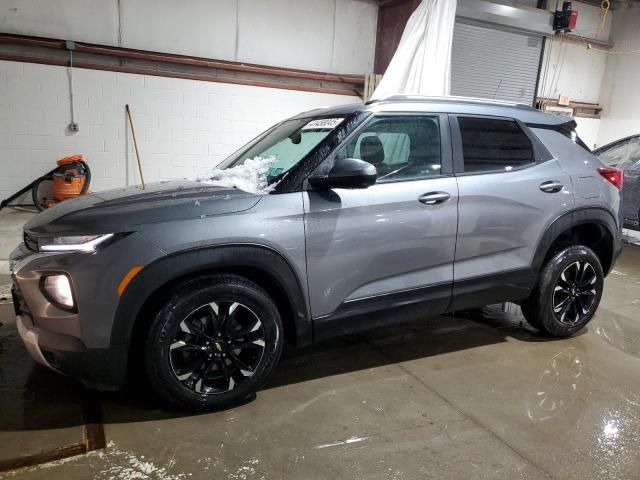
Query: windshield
259, 165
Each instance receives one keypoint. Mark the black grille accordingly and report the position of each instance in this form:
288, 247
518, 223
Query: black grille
30, 242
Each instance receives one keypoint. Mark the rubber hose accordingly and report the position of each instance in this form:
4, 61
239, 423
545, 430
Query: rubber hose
34, 191
87, 180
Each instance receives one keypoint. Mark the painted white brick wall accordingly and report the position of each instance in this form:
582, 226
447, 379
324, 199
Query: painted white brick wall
327, 35
184, 127
620, 95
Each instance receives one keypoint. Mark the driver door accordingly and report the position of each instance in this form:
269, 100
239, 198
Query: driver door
384, 253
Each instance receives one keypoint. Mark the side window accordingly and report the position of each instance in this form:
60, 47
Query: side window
493, 145
625, 154
633, 161
400, 147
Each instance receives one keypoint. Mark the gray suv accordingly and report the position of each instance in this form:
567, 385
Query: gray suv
366, 215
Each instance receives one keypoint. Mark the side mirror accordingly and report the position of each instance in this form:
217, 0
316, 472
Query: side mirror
347, 173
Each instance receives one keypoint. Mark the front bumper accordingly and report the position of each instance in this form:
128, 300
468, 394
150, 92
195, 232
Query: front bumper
65, 353
29, 336
51, 349
79, 342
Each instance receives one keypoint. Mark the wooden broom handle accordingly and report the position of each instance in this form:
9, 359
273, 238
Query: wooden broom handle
135, 143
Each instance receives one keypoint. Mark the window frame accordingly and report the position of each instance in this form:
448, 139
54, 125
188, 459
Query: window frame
446, 153
540, 153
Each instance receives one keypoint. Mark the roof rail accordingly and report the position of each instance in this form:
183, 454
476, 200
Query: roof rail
449, 99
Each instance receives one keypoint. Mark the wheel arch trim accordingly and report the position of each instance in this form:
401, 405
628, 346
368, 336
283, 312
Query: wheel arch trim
171, 267
582, 216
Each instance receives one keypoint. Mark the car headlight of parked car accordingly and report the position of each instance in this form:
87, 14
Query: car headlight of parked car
75, 243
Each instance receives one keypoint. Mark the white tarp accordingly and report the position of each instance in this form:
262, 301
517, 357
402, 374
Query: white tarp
422, 62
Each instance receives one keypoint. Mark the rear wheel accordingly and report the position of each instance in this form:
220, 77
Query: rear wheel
213, 343
568, 292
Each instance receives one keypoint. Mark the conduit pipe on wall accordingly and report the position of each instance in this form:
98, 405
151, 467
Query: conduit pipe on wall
349, 80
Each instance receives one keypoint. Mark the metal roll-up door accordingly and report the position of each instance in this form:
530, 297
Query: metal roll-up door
489, 62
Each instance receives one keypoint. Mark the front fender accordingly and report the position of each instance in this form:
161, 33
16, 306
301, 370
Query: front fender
172, 267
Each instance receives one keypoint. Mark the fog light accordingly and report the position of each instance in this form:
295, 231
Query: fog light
57, 288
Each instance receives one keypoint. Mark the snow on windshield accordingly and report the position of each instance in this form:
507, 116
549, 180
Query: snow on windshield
251, 176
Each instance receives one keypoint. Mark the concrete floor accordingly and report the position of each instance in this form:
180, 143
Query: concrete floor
475, 396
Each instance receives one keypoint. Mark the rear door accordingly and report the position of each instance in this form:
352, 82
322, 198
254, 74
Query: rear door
510, 191
390, 246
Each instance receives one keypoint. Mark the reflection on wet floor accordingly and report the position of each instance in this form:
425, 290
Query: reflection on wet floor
39, 410
631, 236
476, 395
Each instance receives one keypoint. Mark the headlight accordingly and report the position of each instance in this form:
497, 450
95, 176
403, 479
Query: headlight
57, 289
79, 243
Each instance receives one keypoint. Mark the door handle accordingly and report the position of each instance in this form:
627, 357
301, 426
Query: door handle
434, 198
551, 186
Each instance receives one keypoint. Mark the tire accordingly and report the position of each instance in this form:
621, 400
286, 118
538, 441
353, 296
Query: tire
567, 294
190, 359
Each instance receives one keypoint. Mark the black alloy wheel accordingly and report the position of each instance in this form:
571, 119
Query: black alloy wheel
213, 343
567, 293
575, 292
217, 347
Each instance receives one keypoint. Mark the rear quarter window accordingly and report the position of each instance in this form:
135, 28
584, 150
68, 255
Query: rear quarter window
562, 147
490, 144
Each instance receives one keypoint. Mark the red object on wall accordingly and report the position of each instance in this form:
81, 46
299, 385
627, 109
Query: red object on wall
573, 19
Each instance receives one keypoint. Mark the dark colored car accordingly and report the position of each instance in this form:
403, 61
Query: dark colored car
625, 154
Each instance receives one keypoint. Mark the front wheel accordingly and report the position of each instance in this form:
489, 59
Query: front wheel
568, 292
213, 343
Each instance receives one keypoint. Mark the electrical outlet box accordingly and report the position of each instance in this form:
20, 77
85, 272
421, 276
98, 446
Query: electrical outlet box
74, 127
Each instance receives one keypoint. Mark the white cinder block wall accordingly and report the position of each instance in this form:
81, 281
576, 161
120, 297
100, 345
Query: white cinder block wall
325, 35
184, 127
620, 93
576, 70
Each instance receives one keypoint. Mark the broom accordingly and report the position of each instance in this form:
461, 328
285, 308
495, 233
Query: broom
135, 143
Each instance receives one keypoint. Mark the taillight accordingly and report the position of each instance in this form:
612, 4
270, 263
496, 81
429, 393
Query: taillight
613, 175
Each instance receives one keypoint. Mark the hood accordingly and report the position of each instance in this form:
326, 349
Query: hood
121, 209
